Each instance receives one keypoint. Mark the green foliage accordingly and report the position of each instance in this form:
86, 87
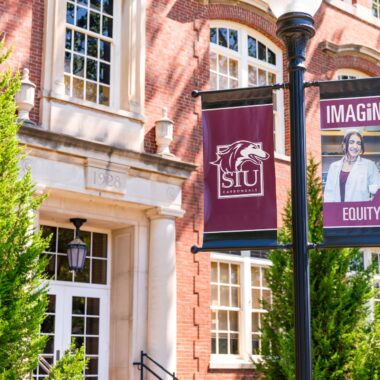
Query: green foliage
70, 366
345, 343
22, 298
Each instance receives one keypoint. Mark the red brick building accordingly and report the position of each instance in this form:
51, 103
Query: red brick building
104, 70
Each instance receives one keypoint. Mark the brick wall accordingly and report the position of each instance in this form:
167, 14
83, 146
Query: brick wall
177, 63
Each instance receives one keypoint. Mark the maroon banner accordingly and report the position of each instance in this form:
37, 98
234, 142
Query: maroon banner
350, 132
239, 177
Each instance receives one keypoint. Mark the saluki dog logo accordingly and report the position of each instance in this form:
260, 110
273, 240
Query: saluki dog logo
240, 169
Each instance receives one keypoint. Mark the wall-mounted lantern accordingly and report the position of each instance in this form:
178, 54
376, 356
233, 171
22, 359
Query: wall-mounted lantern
77, 249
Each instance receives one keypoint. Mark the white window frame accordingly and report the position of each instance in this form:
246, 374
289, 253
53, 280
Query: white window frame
352, 73
244, 358
132, 46
244, 59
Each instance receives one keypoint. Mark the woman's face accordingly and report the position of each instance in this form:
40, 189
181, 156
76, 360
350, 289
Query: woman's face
354, 148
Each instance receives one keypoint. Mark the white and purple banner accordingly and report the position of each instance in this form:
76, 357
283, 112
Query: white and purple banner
350, 133
239, 178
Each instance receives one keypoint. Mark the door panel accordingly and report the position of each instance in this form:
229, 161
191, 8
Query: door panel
80, 314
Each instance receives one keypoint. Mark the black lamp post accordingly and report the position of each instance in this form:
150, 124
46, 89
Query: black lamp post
76, 249
295, 26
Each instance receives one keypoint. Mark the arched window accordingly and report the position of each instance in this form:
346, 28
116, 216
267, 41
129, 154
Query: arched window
242, 57
343, 74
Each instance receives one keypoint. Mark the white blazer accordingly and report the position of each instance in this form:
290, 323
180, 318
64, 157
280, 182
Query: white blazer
363, 180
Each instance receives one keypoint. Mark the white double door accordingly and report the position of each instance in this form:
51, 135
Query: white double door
81, 313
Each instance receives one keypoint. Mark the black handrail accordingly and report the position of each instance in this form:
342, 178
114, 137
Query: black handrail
141, 365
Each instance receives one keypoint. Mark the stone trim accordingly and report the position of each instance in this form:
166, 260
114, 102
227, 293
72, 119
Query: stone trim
47, 140
351, 49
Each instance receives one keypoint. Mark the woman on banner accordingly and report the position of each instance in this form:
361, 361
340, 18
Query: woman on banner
352, 178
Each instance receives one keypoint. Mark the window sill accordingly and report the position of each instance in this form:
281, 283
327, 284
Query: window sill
281, 157
95, 107
230, 362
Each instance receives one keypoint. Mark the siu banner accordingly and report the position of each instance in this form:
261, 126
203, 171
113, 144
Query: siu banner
239, 178
350, 129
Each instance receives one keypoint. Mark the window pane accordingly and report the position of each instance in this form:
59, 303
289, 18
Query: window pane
233, 65
214, 295
224, 296
78, 65
256, 304
235, 274
213, 81
108, 6
234, 321
92, 326
95, 22
222, 320
252, 52
255, 276
65, 236
99, 245
255, 322
264, 272
262, 52
84, 276
78, 305
213, 320
51, 232
91, 91
252, 76
77, 325
271, 78
68, 39
63, 272
213, 61
271, 57
233, 40
92, 68
92, 367
223, 344
223, 64
213, 35
99, 271
223, 270
213, 344
92, 346
267, 296
262, 77
104, 73
105, 51
48, 325
70, 13
67, 85
82, 17
104, 95
92, 306
95, 4
92, 47
214, 272
50, 267
255, 344
79, 42
235, 297
107, 27
234, 83
222, 34
234, 344
223, 82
